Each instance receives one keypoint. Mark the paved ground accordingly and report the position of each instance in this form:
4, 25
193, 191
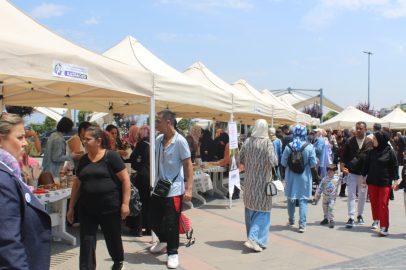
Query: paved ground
220, 234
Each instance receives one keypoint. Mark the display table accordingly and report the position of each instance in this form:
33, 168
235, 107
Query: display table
218, 176
55, 203
202, 183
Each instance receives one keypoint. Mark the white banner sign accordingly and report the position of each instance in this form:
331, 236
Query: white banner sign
69, 71
234, 174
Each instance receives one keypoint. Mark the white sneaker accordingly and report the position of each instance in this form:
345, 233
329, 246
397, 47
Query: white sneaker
253, 245
375, 225
384, 231
158, 247
173, 261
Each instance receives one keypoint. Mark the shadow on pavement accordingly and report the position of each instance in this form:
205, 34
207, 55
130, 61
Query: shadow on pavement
230, 244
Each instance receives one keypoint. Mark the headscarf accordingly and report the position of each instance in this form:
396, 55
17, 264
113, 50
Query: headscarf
299, 135
260, 129
383, 138
224, 138
195, 134
143, 132
132, 133
346, 133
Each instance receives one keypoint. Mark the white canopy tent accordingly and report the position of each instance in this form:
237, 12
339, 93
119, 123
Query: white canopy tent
268, 111
349, 117
298, 101
244, 104
298, 116
172, 90
40, 68
396, 119
54, 113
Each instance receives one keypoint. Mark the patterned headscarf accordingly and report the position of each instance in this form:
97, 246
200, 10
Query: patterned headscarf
299, 135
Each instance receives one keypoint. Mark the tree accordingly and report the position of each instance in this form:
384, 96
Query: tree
37, 128
365, 107
329, 115
314, 110
183, 124
49, 123
81, 116
19, 110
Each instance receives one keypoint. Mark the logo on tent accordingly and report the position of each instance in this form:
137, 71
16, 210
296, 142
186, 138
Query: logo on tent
58, 69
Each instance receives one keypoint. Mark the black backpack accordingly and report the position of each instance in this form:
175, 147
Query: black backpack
296, 161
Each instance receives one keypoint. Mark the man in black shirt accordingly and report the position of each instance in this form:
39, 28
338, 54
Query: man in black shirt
401, 148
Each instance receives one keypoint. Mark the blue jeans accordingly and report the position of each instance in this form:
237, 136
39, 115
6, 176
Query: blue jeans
279, 173
302, 211
257, 224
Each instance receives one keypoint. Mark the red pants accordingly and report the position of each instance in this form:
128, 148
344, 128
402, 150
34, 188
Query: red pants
379, 197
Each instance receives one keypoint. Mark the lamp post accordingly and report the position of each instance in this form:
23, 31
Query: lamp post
369, 54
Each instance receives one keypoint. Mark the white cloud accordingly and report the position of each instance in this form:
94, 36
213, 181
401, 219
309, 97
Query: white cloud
237, 4
327, 10
295, 62
92, 20
167, 37
393, 43
353, 62
49, 10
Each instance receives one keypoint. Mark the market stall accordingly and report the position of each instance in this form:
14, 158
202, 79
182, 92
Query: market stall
55, 203
396, 119
349, 117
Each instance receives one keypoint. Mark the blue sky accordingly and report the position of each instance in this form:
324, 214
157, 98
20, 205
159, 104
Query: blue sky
271, 44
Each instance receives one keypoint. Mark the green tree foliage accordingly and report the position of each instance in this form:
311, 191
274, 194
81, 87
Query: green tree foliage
49, 123
183, 124
329, 115
81, 116
37, 128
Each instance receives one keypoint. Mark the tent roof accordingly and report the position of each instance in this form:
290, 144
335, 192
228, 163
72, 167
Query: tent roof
299, 117
243, 104
172, 89
245, 89
29, 53
300, 102
396, 119
349, 117
54, 113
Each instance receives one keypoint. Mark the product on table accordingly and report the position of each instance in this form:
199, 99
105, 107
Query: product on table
49, 187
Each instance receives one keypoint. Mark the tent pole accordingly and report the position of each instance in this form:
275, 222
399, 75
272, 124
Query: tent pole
272, 116
2, 107
321, 105
214, 132
152, 147
110, 113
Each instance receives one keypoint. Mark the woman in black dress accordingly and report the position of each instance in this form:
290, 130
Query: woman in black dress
207, 147
140, 162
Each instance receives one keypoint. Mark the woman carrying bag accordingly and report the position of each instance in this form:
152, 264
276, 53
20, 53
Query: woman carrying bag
258, 156
381, 168
104, 198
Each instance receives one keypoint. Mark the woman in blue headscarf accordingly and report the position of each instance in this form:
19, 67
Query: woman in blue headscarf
299, 186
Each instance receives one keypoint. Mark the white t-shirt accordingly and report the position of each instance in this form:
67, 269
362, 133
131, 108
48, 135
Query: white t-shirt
360, 142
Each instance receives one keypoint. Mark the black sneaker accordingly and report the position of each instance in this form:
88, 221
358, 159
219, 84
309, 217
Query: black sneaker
360, 220
350, 223
118, 266
331, 224
324, 222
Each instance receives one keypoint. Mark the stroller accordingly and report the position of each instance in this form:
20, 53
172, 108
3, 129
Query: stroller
187, 229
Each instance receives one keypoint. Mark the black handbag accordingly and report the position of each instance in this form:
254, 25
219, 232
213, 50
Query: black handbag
354, 164
135, 204
163, 186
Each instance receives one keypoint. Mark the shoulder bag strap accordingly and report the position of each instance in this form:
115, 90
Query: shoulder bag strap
267, 163
159, 161
113, 175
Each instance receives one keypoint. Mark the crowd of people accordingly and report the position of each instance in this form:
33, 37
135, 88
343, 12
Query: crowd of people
319, 164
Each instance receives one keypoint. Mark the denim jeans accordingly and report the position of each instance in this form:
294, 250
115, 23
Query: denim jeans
302, 211
257, 224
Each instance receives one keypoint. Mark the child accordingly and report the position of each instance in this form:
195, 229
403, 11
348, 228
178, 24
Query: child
329, 187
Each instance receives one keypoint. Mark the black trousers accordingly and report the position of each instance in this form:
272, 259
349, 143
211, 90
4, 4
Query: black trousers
400, 157
111, 228
164, 215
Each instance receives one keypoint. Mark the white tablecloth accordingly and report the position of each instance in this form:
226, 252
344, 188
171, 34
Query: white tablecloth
54, 195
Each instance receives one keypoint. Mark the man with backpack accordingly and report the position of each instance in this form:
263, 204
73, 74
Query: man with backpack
352, 160
298, 157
